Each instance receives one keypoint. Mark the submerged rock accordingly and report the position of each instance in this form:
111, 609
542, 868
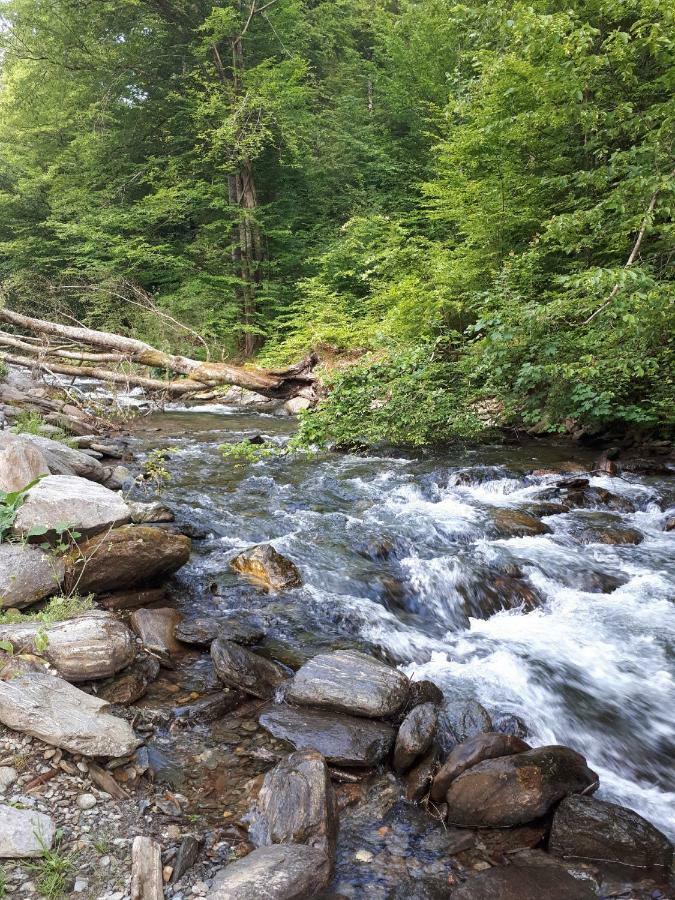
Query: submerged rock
297, 804
27, 575
516, 523
592, 830
60, 714
415, 736
59, 501
124, 557
489, 745
20, 463
342, 740
279, 872
203, 631
497, 592
245, 671
513, 790
267, 568
524, 883
24, 832
350, 682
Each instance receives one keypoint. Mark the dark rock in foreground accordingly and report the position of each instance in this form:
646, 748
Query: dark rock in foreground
489, 745
350, 682
280, 872
513, 790
241, 669
516, 523
458, 721
415, 736
524, 883
203, 631
596, 831
342, 740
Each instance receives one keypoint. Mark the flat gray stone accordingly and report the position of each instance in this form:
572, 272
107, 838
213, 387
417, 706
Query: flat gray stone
24, 832
280, 872
27, 575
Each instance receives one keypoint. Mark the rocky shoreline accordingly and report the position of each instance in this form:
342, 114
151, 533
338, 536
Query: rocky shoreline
313, 747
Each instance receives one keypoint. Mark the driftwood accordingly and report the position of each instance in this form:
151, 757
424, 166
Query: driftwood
146, 869
114, 348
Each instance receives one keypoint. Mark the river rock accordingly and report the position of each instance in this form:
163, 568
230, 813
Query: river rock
513, 790
279, 872
669, 524
516, 523
524, 883
147, 513
415, 736
64, 460
511, 724
597, 498
418, 779
460, 720
27, 575
495, 592
203, 631
91, 646
616, 535
132, 683
124, 557
342, 740
24, 832
56, 712
267, 568
424, 691
132, 599
155, 628
59, 500
350, 682
612, 836
297, 804
245, 671
20, 463
489, 745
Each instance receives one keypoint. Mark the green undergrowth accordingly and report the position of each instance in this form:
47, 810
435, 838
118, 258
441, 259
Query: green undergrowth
57, 609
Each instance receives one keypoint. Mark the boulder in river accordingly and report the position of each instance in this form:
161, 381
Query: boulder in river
415, 736
513, 790
148, 513
279, 872
131, 683
24, 832
596, 831
496, 591
342, 740
90, 646
516, 523
155, 628
59, 501
246, 671
350, 682
460, 720
20, 463
418, 779
124, 557
27, 575
524, 883
590, 497
56, 712
202, 631
615, 535
267, 568
297, 804
488, 745
424, 691
64, 460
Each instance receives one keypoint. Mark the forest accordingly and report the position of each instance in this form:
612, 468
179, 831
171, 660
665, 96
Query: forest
465, 209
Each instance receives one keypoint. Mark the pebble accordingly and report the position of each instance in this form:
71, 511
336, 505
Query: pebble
363, 856
80, 886
86, 801
200, 888
8, 776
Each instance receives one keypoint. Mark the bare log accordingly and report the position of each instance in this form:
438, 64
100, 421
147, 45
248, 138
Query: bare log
279, 384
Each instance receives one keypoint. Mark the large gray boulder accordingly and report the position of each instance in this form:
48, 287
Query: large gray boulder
297, 804
20, 462
27, 575
24, 832
56, 712
342, 740
66, 500
350, 682
64, 460
279, 872
91, 646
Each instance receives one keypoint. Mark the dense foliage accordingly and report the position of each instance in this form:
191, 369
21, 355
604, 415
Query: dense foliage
465, 207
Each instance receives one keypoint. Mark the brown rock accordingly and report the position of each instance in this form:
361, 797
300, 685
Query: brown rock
415, 736
488, 745
267, 568
524, 883
132, 683
616, 535
133, 599
124, 557
245, 671
512, 790
516, 523
155, 628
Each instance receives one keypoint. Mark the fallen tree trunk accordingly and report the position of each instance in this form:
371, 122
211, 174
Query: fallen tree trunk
279, 384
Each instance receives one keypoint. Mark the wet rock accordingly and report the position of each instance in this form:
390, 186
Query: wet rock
91, 646
458, 721
64, 460
606, 462
24, 832
424, 692
297, 804
547, 508
350, 682
612, 836
669, 524
124, 557
245, 671
132, 599
598, 582
287, 871
132, 683
20, 463
418, 781
615, 535
415, 736
27, 575
510, 724
489, 745
267, 568
598, 498
524, 883
59, 500
497, 592
210, 708
513, 790
59, 714
148, 513
342, 740
516, 523
203, 631
155, 628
